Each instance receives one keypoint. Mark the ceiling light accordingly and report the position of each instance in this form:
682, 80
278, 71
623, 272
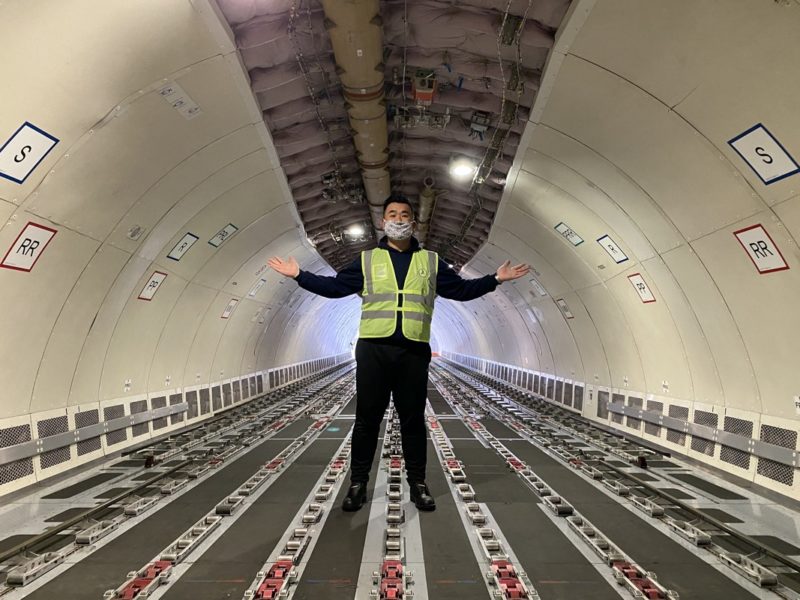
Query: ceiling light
355, 230
462, 168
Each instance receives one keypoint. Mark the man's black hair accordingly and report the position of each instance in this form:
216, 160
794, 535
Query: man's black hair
399, 199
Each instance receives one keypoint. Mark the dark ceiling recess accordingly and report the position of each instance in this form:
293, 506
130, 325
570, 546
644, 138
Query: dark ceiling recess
460, 79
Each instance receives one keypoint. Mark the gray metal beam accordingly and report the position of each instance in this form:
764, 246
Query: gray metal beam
785, 456
54, 442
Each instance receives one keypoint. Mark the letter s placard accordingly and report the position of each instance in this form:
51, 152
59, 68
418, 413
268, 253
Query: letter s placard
23, 152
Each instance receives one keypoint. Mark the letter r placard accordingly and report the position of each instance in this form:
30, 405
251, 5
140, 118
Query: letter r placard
761, 249
28, 247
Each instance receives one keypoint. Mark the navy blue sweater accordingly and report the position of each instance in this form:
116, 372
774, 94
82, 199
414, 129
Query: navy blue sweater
350, 280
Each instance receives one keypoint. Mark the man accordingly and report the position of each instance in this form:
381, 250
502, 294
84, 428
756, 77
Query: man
398, 282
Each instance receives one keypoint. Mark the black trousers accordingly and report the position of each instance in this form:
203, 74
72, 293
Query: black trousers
382, 370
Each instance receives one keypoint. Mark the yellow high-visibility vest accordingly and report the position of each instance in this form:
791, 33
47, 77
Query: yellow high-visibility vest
381, 297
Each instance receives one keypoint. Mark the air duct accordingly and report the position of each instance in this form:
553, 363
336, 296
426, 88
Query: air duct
427, 198
355, 29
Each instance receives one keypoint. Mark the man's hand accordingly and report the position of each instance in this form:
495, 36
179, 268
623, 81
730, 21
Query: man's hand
506, 272
288, 267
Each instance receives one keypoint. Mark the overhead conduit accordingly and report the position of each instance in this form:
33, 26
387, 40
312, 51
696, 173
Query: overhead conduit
354, 27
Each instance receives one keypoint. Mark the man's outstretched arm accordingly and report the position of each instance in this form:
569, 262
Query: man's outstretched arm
451, 285
347, 281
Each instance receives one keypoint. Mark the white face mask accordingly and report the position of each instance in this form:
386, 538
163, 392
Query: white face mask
398, 231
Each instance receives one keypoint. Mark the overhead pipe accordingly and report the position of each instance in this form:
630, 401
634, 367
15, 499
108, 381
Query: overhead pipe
355, 29
427, 198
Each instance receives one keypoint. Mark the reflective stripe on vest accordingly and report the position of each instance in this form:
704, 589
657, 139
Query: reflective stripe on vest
380, 297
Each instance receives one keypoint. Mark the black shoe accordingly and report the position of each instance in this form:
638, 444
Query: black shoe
356, 497
421, 496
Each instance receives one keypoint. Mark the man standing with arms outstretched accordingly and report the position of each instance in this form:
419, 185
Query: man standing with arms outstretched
398, 282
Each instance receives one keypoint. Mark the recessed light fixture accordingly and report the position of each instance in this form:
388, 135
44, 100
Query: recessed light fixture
355, 230
462, 167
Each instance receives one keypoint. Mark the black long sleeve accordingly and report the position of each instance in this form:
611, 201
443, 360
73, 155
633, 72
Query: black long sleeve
348, 281
452, 286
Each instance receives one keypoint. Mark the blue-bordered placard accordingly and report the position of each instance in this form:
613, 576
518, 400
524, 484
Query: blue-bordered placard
764, 154
24, 151
182, 247
614, 251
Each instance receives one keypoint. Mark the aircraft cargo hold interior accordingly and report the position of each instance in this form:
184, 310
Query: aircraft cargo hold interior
388, 299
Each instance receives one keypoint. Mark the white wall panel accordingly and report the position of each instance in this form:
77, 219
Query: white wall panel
619, 345
175, 199
553, 248
30, 305
70, 332
720, 330
175, 340
70, 82
640, 136
764, 307
135, 149
135, 337
705, 379
610, 180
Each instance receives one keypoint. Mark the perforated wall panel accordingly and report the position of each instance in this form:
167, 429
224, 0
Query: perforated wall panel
771, 469
110, 413
577, 402
633, 422
179, 417
216, 397
11, 436
205, 401
652, 428
602, 404
568, 394
191, 401
709, 419
677, 412
141, 428
160, 422
84, 419
617, 399
49, 427
734, 456
237, 392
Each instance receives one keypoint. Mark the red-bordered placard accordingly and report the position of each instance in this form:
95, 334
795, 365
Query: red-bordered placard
753, 260
39, 255
639, 290
158, 287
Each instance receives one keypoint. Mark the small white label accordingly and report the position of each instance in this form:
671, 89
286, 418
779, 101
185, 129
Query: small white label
641, 288
761, 249
614, 251
28, 247
764, 154
152, 286
229, 309
257, 286
569, 234
23, 152
183, 246
562, 304
538, 287
223, 235
797, 404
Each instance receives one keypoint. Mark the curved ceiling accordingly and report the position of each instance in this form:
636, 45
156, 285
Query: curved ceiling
658, 251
